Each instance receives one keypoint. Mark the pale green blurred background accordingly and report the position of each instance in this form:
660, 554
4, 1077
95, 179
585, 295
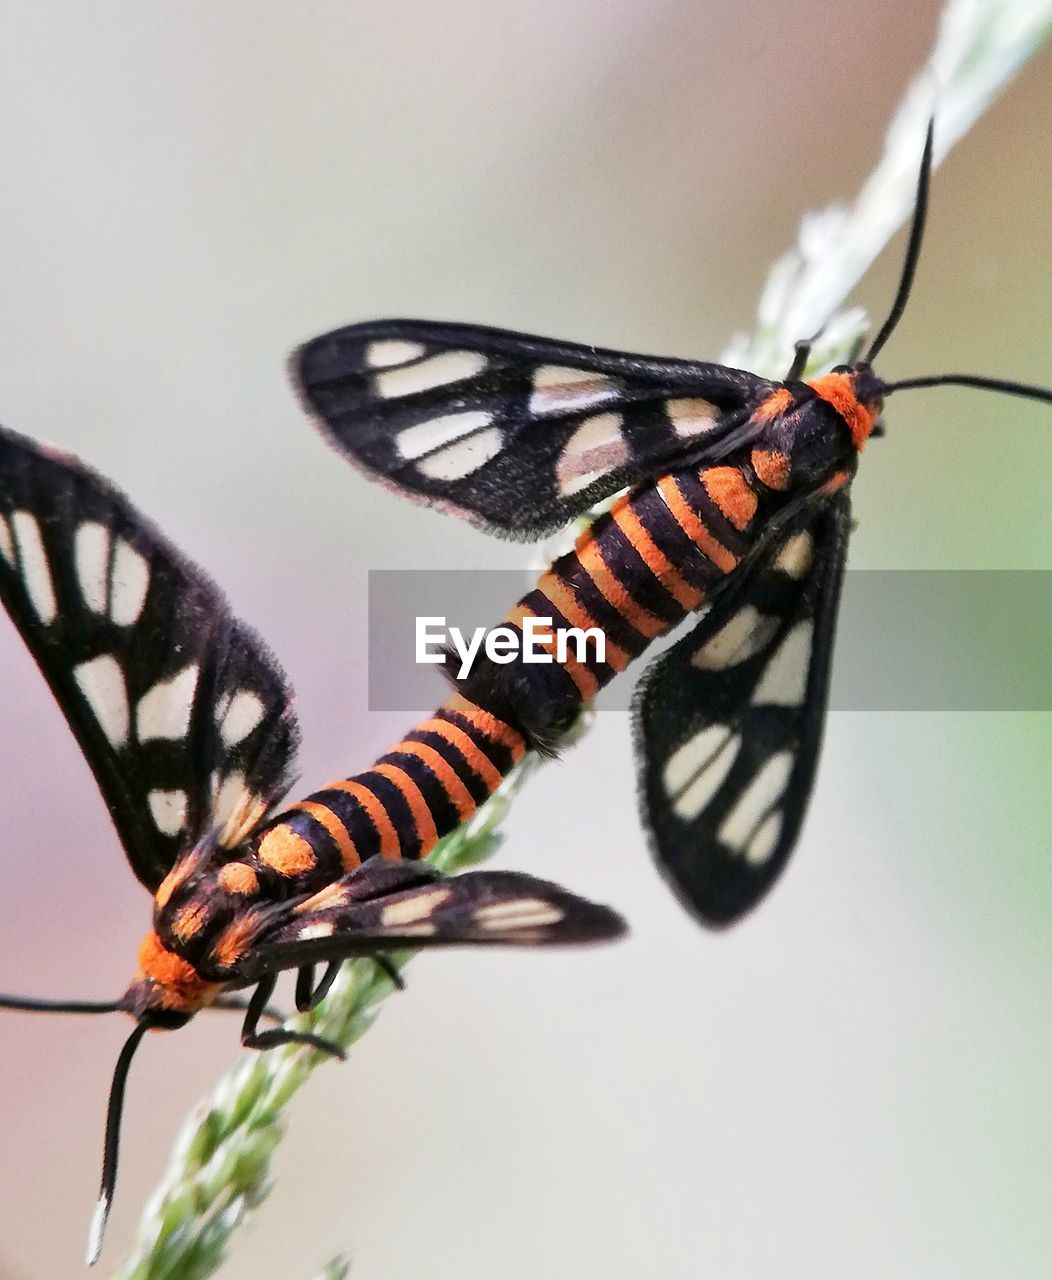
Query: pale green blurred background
856, 1082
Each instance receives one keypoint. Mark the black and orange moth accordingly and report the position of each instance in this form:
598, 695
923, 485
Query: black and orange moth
736, 504
187, 723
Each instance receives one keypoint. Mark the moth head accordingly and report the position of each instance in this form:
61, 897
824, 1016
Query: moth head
146, 998
870, 391
167, 989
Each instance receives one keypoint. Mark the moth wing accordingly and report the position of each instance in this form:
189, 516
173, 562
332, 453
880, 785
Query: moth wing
517, 433
729, 722
380, 907
182, 713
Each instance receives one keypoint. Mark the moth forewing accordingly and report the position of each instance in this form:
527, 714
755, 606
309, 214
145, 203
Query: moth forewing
179, 708
500, 908
729, 722
471, 419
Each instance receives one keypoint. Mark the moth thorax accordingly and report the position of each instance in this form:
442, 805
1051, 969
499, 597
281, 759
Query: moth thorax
803, 448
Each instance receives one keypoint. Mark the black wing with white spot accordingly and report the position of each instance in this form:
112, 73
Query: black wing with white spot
730, 721
183, 715
520, 434
383, 905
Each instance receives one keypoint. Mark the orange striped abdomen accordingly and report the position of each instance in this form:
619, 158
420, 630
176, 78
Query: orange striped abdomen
633, 575
426, 785
639, 570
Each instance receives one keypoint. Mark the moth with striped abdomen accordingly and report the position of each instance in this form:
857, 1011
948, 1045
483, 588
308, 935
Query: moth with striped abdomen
187, 723
738, 500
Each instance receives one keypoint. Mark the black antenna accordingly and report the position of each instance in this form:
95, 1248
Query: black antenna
111, 1145
1023, 389
909, 268
32, 1004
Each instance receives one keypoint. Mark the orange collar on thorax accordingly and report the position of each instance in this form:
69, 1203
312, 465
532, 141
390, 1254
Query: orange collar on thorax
838, 390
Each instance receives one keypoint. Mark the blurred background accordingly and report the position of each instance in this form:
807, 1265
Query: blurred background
856, 1080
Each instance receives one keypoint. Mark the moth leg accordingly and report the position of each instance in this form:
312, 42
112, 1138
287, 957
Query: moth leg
304, 988
253, 1039
307, 994
240, 1003
388, 967
800, 359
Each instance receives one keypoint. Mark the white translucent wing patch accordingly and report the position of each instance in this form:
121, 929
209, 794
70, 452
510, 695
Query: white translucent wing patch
692, 416
168, 810
742, 828
323, 929
452, 445
102, 683
91, 554
427, 437
696, 770
413, 909
461, 459
597, 447
742, 637
386, 352
518, 913
764, 840
424, 375
36, 574
129, 583
112, 580
239, 715
784, 681
164, 711
797, 555
559, 389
